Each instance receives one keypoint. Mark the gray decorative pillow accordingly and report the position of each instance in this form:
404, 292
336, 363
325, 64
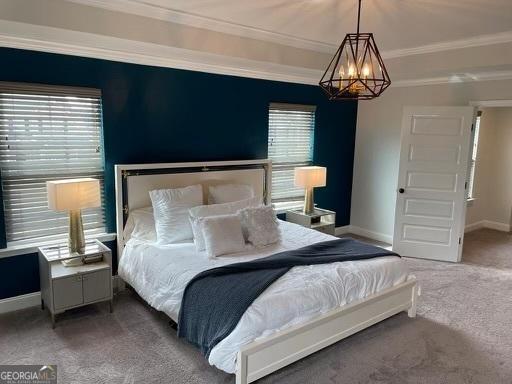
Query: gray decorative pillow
222, 235
214, 210
260, 225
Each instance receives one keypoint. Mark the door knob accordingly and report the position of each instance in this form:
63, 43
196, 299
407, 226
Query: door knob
401, 190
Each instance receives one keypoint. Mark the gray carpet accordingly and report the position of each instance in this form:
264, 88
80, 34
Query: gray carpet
463, 334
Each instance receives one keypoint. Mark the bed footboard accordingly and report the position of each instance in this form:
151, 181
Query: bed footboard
265, 356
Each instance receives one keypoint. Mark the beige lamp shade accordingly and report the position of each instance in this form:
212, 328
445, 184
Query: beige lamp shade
72, 194
310, 177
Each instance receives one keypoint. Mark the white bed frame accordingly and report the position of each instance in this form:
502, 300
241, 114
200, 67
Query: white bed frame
267, 355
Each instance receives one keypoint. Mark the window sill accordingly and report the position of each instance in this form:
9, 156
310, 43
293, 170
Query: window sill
26, 248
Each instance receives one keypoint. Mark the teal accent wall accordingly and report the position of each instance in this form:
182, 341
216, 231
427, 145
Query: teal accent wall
153, 114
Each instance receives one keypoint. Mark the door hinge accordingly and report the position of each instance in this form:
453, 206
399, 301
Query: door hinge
472, 127
460, 239
466, 185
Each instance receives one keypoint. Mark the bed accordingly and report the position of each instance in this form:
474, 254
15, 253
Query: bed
308, 308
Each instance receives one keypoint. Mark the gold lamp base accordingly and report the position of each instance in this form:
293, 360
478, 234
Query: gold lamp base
309, 204
76, 232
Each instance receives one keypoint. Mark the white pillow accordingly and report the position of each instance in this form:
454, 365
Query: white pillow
227, 193
214, 210
170, 208
260, 225
222, 235
140, 225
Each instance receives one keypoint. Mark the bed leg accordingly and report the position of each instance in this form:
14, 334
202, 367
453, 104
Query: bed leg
119, 284
415, 293
241, 369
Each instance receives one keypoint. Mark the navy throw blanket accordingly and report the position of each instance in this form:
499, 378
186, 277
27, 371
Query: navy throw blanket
215, 300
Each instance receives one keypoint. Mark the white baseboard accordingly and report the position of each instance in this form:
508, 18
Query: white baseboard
342, 230
497, 226
474, 226
20, 302
365, 233
372, 235
503, 227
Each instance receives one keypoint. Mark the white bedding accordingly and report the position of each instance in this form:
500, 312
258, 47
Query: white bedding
160, 273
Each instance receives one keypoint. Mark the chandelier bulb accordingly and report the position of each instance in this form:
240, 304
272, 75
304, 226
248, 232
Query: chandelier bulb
366, 70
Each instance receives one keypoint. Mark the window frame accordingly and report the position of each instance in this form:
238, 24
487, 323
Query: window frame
283, 204
38, 90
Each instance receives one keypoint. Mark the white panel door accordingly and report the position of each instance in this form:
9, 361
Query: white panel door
431, 197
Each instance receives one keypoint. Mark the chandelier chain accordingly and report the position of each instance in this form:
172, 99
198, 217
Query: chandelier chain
358, 16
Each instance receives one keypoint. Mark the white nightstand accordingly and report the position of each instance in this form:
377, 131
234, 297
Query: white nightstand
63, 288
320, 220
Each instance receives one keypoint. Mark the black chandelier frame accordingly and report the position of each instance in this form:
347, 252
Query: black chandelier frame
358, 86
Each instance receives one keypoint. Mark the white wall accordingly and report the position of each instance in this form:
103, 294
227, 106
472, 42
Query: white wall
501, 180
378, 144
493, 175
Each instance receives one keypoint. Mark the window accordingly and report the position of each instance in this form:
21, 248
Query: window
474, 151
46, 133
290, 144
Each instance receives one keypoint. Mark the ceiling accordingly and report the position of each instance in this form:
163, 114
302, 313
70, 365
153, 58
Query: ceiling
397, 24
422, 41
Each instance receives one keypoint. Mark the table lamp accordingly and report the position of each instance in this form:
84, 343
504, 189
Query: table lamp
309, 178
73, 195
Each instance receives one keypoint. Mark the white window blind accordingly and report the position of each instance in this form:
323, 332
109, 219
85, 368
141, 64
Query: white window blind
290, 145
47, 133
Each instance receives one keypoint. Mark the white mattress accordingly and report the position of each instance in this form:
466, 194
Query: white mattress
160, 273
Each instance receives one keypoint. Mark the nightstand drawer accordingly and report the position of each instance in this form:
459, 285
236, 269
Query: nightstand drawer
96, 285
67, 292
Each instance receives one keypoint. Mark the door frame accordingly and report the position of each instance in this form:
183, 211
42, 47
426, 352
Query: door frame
476, 108
493, 103
479, 104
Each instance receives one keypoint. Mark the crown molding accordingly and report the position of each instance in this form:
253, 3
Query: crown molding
491, 103
140, 8
455, 79
56, 40
477, 41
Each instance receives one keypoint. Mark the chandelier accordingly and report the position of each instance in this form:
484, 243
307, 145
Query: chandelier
356, 72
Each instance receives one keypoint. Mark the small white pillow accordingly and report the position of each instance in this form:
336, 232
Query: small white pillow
227, 193
140, 225
222, 235
260, 225
214, 210
170, 208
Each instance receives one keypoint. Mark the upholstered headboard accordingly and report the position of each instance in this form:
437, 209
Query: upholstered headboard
134, 181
